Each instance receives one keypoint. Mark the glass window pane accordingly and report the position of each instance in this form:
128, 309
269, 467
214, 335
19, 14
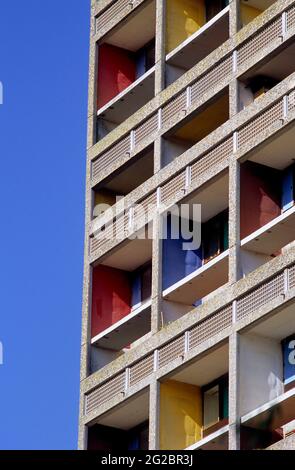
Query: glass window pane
211, 406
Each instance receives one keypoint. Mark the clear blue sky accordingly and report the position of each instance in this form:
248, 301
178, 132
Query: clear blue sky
43, 68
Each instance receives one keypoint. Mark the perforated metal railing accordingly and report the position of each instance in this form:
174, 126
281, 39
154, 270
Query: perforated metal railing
220, 72
114, 230
141, 370
180, 185
253, 129
217, 77
291, 101
260, 41
217, 155
102, 22
205, 329
291, 18
121, 149
210, 327
105, 392
174, 109
147, 129
267, 292
292, 277
173, 188
171, 351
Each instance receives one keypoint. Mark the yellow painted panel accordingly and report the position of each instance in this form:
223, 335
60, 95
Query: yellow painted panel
205, 122
248, 14
103, 196
180, 415
183, 18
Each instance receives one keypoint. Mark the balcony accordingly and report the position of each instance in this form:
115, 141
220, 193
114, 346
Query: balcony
253, 141
125, 428
267, 200
126, 58
121, 302
251, 9
270, 238
202, 270
124, 181
187, 101
264, 76
195, 128
107, 18
267, 392
218, 440
126, 103
195, 399
189, 342
263, 426
136, 323
197, 46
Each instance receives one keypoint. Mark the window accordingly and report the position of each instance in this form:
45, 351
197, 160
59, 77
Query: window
215, 402
141, 285
211, 406
215, 236
145, 58
288, 188
261, 84
213, 7
138, 437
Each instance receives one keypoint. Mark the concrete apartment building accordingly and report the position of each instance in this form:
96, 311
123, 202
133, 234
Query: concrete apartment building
190, 102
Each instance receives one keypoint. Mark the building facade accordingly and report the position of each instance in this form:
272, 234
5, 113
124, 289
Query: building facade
190, 345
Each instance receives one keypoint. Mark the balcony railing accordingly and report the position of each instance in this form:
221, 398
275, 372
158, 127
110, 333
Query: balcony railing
275, 287
235, 62
218, 440
112, 15
281, 410
242, 140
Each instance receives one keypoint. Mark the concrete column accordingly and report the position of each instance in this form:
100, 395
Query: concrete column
234, 16
234, 167
154, 416
92, 86
87, 277
83, 437
233, 98
156, 275
234, 250
160, 54
234, 221
158, 149
160, 45
234, 391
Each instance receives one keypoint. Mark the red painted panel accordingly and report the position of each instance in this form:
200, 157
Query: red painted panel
106, 438
260, 196
116, 71
111, 297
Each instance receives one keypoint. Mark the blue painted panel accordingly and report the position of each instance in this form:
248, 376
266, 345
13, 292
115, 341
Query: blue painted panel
177, 262
140, 63
134, 444
136, 289
288, 188
289, 358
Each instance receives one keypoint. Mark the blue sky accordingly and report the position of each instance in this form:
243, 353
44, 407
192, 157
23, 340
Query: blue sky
43, 68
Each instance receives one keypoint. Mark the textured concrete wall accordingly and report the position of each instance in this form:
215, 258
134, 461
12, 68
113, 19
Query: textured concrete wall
233, 290
261, 371
250, 261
